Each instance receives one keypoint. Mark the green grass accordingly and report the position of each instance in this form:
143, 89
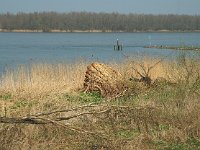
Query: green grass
93, 97
191, 144
6, 96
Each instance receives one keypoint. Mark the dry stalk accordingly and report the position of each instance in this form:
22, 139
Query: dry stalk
145, 71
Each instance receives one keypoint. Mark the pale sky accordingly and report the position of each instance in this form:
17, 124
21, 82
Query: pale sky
191, 7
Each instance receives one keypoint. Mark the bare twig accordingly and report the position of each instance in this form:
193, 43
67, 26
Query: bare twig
151, 67
145, 71
64, 110
81, 114
76, 129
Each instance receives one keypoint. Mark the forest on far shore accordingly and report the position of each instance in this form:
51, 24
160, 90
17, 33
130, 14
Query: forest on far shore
115, 22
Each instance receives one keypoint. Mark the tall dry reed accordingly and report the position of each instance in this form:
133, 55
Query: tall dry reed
40, 79
44, 78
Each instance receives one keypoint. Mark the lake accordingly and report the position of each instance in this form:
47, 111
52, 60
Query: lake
26, 48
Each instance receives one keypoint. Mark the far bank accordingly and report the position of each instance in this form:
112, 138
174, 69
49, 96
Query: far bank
96, 31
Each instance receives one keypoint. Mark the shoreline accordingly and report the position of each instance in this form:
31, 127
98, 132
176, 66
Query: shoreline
184, 47
95, 31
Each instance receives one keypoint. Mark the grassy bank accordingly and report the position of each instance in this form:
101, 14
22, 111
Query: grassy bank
164, 115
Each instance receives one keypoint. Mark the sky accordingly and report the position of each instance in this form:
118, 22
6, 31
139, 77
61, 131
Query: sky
190, 7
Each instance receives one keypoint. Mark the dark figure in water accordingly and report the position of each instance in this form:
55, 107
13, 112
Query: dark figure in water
117, 46
117, 42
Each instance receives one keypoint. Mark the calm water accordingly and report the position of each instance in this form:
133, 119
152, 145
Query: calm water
26, 48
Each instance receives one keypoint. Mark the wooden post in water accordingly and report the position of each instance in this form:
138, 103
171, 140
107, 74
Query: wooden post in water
118, 46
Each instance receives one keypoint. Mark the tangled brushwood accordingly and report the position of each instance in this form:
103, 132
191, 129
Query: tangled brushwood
102, 78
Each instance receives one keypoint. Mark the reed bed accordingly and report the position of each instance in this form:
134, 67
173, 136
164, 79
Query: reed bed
42, 79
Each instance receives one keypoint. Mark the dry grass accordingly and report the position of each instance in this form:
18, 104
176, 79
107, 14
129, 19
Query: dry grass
164, 117
160, 69
43, 79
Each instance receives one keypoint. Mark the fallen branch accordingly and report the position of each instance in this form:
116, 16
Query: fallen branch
41, 120
23, 120
81, 114
37, 119
64, 110
76, 129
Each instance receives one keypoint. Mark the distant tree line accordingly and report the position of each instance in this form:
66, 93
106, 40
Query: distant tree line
48, 21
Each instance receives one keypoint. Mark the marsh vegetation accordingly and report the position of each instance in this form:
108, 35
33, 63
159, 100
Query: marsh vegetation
162, 115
